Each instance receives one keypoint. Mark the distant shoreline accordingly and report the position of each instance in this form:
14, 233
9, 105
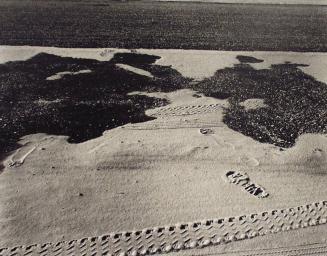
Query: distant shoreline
236, 2
164, 25
308, 3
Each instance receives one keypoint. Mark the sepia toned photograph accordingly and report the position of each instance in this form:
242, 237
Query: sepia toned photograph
163, 127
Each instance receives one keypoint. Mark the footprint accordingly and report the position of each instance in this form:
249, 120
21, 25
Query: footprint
249, 161
243, 180
252, 162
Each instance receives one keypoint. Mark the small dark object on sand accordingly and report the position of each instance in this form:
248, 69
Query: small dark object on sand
248, 59
206, 131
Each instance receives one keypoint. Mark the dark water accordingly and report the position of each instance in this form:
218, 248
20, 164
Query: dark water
138, 24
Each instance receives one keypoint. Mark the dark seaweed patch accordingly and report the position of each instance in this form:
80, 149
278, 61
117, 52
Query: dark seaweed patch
296, 102
80, 106
248, 59
134, 59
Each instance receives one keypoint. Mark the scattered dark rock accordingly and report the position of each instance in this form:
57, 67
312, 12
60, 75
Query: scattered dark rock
206, 131
248, 59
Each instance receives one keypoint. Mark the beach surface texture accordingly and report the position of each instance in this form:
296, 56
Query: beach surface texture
151, 151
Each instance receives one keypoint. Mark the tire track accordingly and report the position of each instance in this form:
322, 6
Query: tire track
189, 235
309, 249
183, 110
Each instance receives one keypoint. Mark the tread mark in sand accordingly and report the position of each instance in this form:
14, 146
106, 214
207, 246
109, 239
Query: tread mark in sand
184, 236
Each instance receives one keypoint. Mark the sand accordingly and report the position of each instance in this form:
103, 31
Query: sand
207, 62
135, 70
159, 172
65, 73
251, 104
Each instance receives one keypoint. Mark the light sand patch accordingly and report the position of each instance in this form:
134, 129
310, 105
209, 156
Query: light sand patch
251, 104
310, 152
317, 62
60, 75
197, 64
183, 97
208, 62
135, 70
46, 102
20, 53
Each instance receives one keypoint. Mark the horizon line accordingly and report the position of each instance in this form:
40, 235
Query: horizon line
268, 2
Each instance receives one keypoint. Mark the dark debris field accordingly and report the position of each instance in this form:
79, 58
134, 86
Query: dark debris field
82, 106
296, 103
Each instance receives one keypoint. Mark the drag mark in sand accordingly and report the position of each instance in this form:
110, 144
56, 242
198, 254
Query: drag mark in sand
184, 236
19, 157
